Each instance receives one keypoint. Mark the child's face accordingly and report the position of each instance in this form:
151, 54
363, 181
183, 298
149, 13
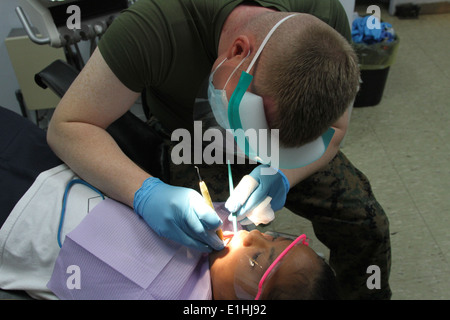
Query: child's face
238, 268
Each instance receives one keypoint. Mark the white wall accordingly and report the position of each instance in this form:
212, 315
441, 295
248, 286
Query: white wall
349, 6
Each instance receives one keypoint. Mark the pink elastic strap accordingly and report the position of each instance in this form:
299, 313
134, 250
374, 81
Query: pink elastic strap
274, 263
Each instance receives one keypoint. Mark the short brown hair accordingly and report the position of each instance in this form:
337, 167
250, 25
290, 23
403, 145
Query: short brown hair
311, 73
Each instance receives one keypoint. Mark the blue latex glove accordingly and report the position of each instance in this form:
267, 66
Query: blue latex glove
179, 214
274, 185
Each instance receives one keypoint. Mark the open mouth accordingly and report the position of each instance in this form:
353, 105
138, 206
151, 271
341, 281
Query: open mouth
227, 238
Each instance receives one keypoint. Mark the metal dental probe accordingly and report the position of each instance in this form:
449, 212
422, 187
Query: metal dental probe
230, 183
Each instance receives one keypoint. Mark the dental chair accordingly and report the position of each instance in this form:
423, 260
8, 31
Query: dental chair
137, 140
140, 142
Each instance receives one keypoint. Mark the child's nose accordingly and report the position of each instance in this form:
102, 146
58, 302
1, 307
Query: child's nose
256, 238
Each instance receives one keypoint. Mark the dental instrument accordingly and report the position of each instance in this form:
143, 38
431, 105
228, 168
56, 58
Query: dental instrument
230, 182
207, 197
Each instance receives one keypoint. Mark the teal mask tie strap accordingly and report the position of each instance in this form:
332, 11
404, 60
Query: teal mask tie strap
233, 107
235, 100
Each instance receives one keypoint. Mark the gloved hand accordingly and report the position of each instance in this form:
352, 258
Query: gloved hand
253, 190
179, 214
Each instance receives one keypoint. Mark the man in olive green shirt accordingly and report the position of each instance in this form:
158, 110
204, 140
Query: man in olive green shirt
167, 49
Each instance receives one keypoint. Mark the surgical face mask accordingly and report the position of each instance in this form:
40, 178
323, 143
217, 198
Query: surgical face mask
218, 97
244, 112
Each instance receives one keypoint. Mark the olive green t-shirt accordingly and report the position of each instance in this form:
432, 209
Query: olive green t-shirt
167, 47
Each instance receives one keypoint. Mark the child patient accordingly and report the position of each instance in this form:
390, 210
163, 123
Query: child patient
301, 274
113, 254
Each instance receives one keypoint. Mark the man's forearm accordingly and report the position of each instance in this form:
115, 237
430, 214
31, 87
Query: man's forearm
77, 131
95, 157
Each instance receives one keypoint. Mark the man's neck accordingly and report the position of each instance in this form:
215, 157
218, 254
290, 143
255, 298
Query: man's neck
236, 22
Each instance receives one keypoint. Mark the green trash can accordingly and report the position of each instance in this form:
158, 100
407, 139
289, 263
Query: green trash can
374, 62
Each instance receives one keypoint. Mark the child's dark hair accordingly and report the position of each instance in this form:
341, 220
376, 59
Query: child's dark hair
323, 286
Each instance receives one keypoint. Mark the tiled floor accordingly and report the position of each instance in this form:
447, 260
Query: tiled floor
401, 145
